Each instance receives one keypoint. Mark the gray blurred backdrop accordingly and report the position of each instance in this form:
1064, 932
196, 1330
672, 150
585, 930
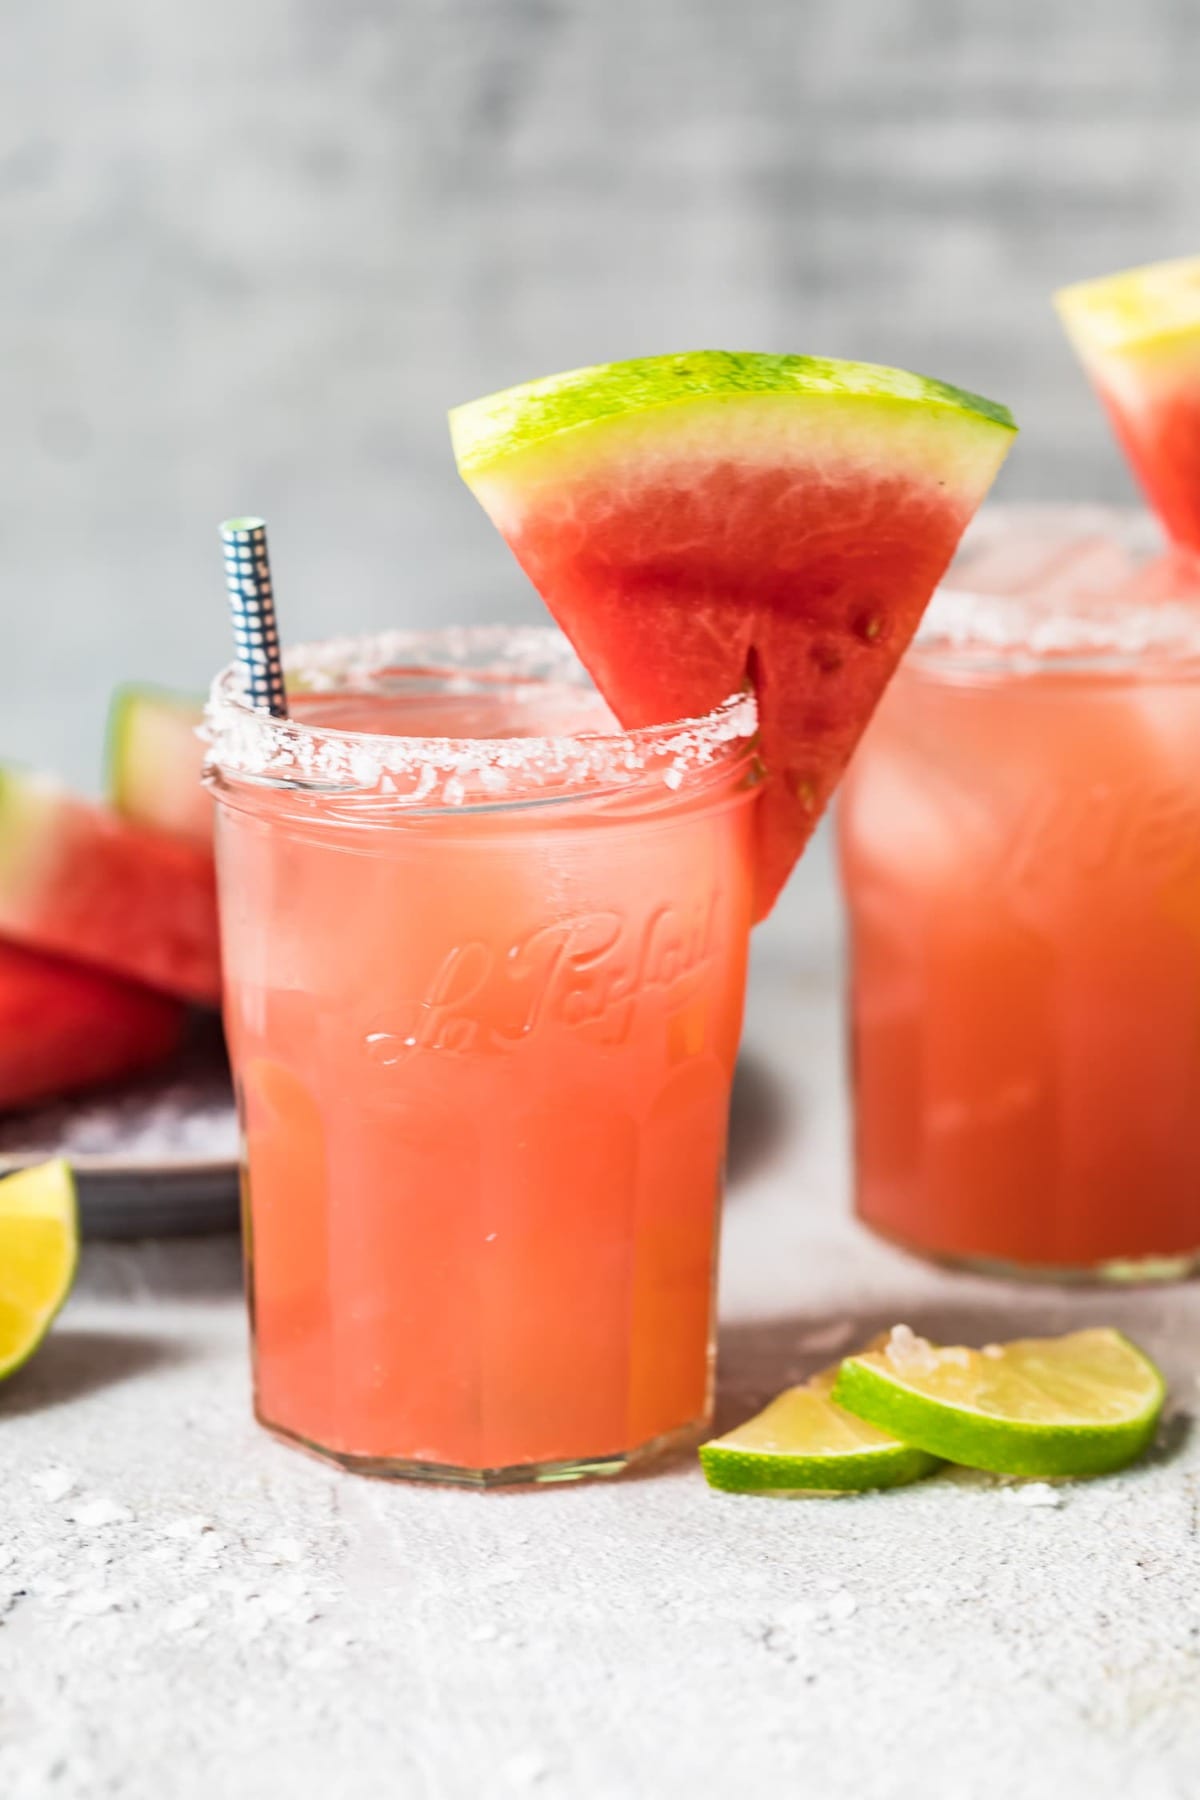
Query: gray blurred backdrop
252, 250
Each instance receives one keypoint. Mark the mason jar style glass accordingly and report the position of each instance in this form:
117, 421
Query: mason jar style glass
1020, 849
485, 958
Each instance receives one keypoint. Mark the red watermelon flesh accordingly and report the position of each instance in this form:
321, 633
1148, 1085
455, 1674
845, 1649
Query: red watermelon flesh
774, 519
1160, 435
64, 1027
1138, 336
77, 880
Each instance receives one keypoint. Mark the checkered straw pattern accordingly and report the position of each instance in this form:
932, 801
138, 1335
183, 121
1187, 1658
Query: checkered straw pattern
248, 578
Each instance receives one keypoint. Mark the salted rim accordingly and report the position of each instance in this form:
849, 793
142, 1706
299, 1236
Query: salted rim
441, 772
992, 629
1093, 630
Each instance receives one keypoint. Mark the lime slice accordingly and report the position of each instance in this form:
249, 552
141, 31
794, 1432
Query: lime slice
803, 1443
1078, 1405
39, 1250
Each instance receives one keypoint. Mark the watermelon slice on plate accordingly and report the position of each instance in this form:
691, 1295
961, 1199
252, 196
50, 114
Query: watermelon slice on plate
78, 880
696, 521
1138, 336
154, 761
64, 1027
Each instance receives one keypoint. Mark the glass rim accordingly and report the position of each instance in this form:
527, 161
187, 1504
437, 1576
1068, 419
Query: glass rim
436, 773
1130, 610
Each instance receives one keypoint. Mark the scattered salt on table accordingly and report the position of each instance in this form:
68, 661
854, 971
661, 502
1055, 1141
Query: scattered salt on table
1034, 1493
92, 1514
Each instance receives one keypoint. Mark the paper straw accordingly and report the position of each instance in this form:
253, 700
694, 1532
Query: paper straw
252, 604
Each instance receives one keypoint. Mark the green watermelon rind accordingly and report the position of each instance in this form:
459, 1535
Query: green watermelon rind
1153, 309
28, 802
124, 775
122, 716
489, 430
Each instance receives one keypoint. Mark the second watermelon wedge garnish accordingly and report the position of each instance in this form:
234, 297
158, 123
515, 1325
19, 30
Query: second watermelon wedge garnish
695, 521
1138, 337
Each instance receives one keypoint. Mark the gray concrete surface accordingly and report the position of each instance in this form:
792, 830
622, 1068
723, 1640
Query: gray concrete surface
188, 1609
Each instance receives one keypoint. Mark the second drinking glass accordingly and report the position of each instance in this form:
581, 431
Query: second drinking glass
1020, 836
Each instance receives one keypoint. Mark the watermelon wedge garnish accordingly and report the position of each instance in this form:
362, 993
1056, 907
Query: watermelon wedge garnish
77, 880
697, 521
64, 1027
1138, 336
154, 761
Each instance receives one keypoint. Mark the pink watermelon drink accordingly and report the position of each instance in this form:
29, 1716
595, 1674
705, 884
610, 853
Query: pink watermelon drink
485, 959
1020, 836
1138, 335
485, 951
696, 522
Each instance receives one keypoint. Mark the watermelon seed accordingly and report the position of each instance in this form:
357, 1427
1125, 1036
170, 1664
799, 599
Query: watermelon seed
826, 656
868, 626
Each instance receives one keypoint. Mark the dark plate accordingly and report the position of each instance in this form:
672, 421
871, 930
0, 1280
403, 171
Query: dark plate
156, 1157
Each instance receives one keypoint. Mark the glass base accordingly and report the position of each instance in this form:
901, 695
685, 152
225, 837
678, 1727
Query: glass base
1133, 1271
541, 1474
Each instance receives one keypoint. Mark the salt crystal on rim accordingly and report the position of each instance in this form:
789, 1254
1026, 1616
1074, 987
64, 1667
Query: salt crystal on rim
989, 625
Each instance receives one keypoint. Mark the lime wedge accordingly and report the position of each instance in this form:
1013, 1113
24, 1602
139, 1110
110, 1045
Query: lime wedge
1078, 1405
39, 1251
804, 1443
